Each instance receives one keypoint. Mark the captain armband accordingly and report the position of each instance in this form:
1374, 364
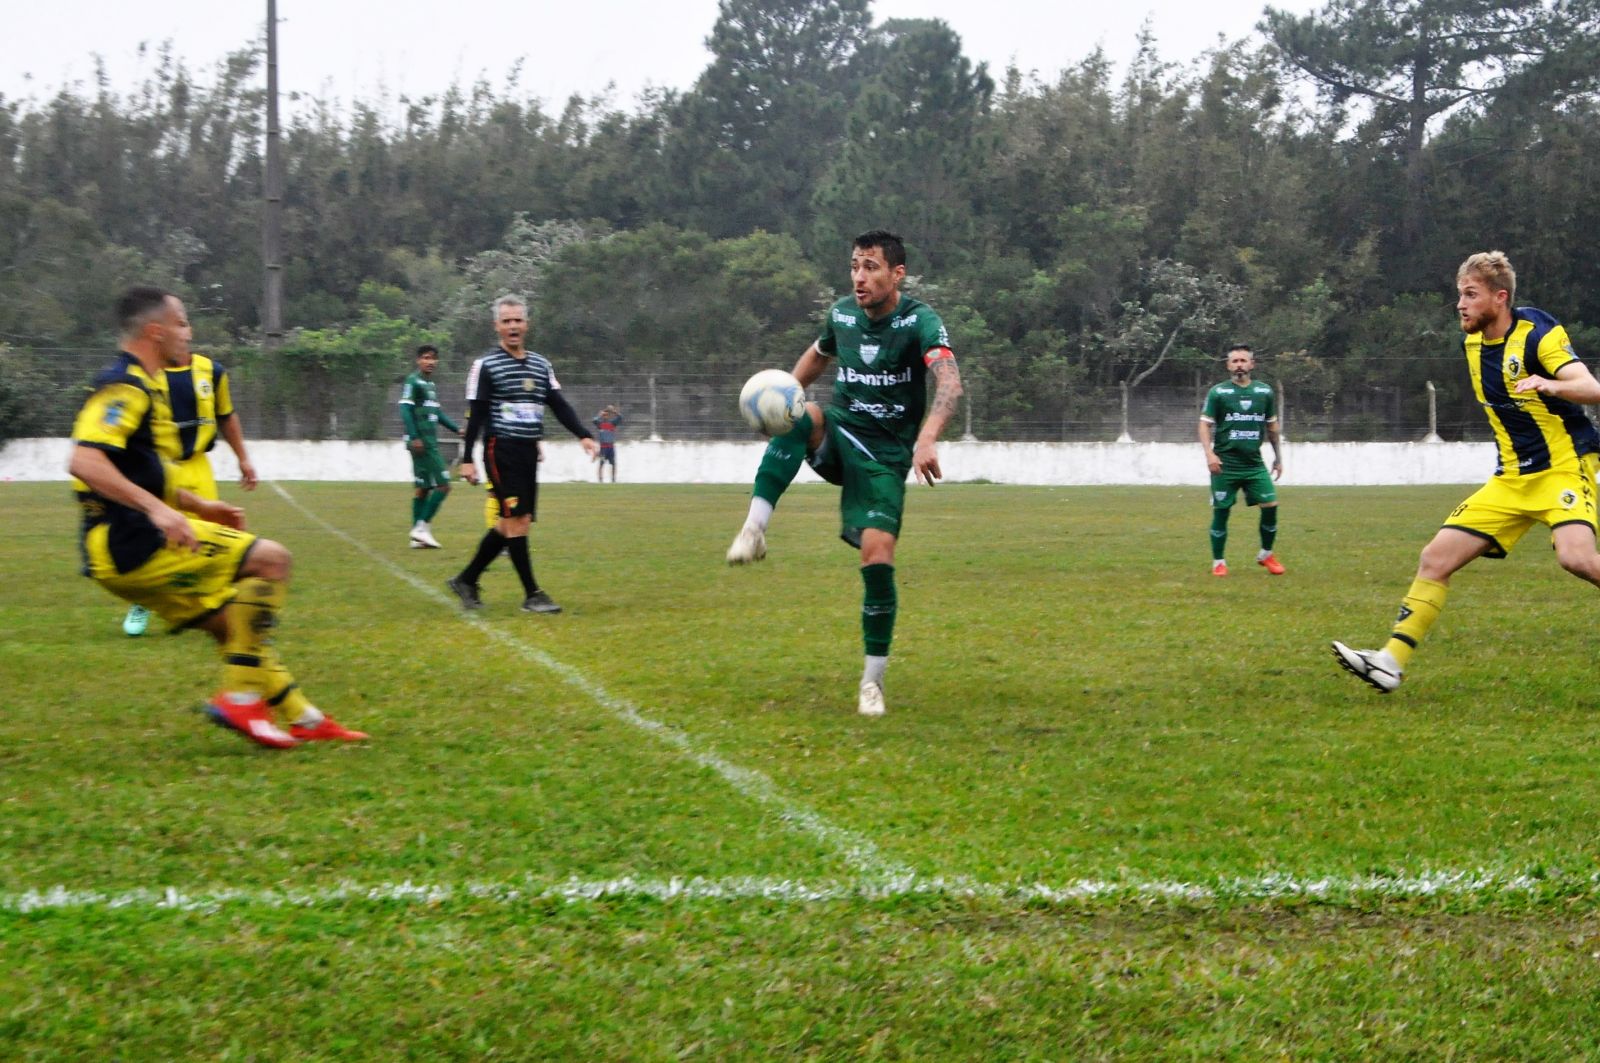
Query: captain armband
935, 354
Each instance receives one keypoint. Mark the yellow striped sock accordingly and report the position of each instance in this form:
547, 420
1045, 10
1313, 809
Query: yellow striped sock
1418, 610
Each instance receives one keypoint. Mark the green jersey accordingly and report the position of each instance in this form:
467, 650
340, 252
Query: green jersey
1240, 416
420, 411
880, 392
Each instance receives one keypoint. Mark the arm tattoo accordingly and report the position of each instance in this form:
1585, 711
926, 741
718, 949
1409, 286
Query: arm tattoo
946, 388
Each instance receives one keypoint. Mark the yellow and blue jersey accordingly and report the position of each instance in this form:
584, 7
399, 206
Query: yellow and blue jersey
128, 415
1533, 433
201, 401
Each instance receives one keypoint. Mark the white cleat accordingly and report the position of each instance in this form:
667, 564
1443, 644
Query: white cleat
871, 700
423, 535
417, 546
1377, 668
750, 545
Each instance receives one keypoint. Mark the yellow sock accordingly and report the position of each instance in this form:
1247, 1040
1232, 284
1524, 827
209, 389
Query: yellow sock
249, 661
1418, 610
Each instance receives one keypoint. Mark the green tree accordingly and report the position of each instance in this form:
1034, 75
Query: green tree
746, 145
1412, 61
914, 147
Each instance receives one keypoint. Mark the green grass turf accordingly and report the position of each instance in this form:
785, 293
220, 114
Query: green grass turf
1072, 697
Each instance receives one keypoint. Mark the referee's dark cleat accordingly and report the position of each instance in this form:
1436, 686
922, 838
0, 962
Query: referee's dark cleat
539, 602
467, 592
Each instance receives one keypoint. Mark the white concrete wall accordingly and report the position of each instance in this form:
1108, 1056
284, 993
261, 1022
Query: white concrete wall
1064, 464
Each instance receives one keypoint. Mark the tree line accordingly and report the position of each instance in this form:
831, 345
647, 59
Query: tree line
1092, 231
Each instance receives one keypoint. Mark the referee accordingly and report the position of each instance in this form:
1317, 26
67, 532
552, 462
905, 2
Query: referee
513, 388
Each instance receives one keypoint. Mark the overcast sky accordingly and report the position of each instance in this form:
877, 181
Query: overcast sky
353, 48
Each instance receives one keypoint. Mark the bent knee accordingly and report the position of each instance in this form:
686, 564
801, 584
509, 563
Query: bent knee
268, 559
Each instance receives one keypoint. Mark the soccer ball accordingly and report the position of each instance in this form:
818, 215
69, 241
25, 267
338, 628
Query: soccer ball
772, 401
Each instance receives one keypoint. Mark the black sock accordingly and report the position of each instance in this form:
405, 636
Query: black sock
518, 549
488, 549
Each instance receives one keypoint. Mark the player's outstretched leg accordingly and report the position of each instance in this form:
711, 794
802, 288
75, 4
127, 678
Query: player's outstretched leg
1386, 667
779, 465
255, 684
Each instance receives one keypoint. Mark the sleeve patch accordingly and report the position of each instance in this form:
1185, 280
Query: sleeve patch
937, 354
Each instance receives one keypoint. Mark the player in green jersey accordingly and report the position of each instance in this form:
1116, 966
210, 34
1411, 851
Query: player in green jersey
878, 428
421, 414
1241, 412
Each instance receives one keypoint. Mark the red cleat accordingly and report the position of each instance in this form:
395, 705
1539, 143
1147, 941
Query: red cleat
250, 718
1272, 564
327, 731
1219, 568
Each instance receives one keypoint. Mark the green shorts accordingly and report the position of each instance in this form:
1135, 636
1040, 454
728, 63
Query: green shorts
874, 492
1256, 483
428, 469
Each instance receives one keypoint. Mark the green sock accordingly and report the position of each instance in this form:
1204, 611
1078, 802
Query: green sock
1219, 533
431, 504
1269, 526
878, 607
781, 462
416, 508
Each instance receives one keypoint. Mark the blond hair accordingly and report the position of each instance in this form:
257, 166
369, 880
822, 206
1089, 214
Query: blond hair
1494, 269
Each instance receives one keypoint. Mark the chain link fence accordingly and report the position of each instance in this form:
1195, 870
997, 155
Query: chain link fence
42, 389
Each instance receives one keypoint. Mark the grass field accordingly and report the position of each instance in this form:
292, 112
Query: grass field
1117, 809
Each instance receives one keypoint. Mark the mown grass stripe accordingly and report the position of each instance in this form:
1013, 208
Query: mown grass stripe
857, 851
1479, 885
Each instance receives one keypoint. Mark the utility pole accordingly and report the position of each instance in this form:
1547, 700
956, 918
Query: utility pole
272, 208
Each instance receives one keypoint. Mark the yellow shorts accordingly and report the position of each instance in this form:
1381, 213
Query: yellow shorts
179, 586
194, 474
1502, 510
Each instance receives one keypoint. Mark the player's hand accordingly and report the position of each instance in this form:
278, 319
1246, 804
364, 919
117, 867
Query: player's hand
1277, 469
247, 476
925, 460
538, 448
219, 512
1543, 385
469, 472
1214, 464
590, 447
174, 527
415, 446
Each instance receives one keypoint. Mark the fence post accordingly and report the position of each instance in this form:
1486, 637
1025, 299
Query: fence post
655, 429
1433, 416
1283, 419
967, 436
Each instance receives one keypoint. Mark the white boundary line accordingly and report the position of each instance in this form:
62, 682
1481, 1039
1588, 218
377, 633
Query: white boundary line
1479, 885
856, 850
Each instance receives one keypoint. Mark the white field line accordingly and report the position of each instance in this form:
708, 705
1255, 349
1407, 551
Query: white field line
1480, 885
858, 852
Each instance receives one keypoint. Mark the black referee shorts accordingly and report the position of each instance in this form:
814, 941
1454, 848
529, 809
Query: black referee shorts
513, 468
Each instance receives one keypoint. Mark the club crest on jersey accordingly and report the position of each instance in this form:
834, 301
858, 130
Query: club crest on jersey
1569, 499
527, 385
1514, 366
1245, 404
869, 352
203, 388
